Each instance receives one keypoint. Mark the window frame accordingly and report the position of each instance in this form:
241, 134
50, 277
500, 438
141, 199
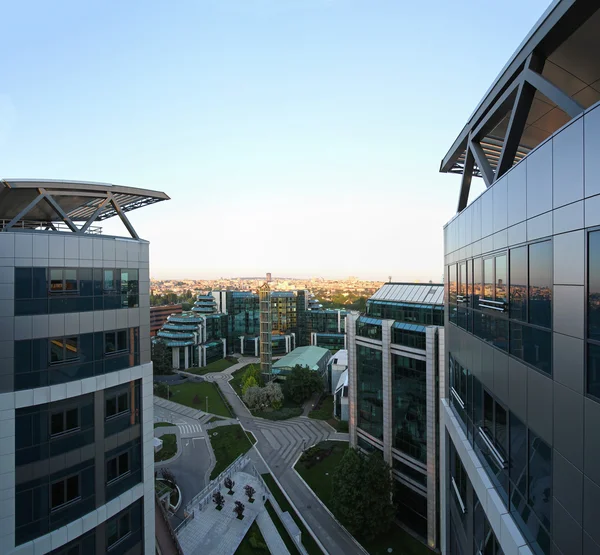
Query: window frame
63, 290
116, 397
117, 351
589, 342
120, 536
66, 502
119, 475
64, 359
65, 431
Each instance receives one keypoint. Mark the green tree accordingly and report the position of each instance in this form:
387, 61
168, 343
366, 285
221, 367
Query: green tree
162, 358
362, 501
254, 372
249, 382
301, 383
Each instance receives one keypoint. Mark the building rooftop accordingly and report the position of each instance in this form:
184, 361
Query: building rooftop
304, 356
343, 381
340, 358
43, 203
553, 76
426, 293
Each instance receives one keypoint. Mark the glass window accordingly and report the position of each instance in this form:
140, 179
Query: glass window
452, 284
593, 370
63, 280
63, 492
56, 279
117, 529
540, 284
70, 279
477, 279
462, 282
488, 277
501, 278
518, 283
117, 467
518, 454
594, 286
115, 341
109, 280
117, 404
64, 349
540, 479
111, 406
64, 421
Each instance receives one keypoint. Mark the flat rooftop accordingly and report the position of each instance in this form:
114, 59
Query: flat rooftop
304, 356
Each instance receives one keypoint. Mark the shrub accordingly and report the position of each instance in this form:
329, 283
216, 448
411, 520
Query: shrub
218, 499
239, 509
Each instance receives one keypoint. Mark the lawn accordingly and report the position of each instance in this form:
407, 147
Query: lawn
289, 543
186, 393
246, 548
288, 410
216, 366
169, 448
162, 425
308, 541
324, 410
319, 478
228, 444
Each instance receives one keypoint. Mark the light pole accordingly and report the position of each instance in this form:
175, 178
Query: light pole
207, 403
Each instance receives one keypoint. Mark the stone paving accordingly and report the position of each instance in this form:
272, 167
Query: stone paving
272, 538
213, 532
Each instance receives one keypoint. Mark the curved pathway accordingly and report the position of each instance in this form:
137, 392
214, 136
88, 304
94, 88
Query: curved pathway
279, 444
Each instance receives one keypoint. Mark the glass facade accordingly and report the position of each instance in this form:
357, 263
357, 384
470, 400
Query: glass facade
426, 314
518, 462
370, 391
409, 412
593, 315
505, 299
124, 531
63, 290
409, 335
49, 361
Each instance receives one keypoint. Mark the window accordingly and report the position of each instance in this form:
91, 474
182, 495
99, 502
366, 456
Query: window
64, 349
117, 529
63, 492
458, 480
540, 284
488, 277
129, 288
63, 280
64, 422
115, 341
117, 467
518, 284
117, 404
109, 280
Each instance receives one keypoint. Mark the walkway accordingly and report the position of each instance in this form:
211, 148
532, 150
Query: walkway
270, 533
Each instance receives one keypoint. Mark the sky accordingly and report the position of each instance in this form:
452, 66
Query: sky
297, 137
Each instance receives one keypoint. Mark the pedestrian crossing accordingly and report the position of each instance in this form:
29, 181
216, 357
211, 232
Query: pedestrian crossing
189, 429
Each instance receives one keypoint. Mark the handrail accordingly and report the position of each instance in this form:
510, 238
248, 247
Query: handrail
457, 397
493, 451
458, 497
39, 225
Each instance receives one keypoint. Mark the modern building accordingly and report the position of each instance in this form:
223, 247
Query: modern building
313, 358
340, 398
77, 456
394, 357
520, 393
336, 366
159, 315
327, 327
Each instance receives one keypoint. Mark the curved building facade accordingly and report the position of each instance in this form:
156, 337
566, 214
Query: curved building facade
76, 377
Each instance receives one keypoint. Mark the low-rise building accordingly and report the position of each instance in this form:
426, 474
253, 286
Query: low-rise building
160, 314
313, 358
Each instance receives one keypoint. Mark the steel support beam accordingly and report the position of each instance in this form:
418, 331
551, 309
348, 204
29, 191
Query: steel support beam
482, 163
124, 219
465, 184
96, 213
552, 92
60, 212
497, 112
25, 210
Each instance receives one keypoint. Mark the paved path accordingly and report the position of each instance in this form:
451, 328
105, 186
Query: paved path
270, 533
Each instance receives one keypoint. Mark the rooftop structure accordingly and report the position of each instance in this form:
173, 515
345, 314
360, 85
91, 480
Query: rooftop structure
314, 358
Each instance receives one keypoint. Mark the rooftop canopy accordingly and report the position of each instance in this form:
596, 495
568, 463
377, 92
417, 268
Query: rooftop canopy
303, 356
553, 76
426, 293
44, 204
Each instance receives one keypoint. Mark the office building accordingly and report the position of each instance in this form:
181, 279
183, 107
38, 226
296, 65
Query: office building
313, 358
159, 315
394, 357
77, 459
520, 393
327, 327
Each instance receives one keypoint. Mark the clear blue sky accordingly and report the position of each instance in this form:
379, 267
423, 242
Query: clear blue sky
300, 137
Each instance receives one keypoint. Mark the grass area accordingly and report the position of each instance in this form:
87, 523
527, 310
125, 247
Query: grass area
194, 394
324, 410
289, 543
316, 467
214, 419
216, 366
162, 425
308, 541
246, 547
169, 448
228, 444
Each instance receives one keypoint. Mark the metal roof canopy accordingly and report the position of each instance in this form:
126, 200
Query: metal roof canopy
553, 76
418, 293
32, 203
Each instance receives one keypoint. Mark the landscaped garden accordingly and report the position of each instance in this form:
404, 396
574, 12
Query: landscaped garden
253, 543
289, 543
228, 443
331, 466
324, 411
308, 541
168, 449
216, 366
162, 424
195, 394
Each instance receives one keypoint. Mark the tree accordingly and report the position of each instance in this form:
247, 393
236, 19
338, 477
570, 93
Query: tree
362, 500
229, 483
161, 358
168, 475
239, 509
250, 491
274, 395
252, 371
161, 390
218, 500
255, 398
250, 382
301, 383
